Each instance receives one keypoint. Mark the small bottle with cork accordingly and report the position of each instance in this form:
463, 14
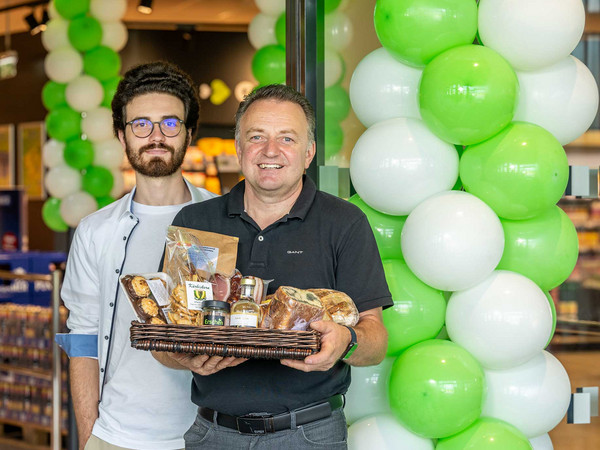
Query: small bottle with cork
245, 312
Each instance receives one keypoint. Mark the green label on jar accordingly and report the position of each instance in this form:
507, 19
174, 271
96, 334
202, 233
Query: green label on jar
214, 319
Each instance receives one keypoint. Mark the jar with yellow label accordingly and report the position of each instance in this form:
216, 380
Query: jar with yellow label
245, 312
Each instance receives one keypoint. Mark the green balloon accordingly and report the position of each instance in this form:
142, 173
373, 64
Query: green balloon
436, 388
51, 215
98, 181
79, 154
337, 103
386, 228
334, 138
280, 30
486, 434
330, 5
85, 33
544, 248
419, 310
416, 31
110, 87
268, 65
468, 94
102, 63
63, 124
104, 201
70, 9
519, 173
53, 95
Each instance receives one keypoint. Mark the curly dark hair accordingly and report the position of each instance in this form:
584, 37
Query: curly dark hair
280, 93
162, 77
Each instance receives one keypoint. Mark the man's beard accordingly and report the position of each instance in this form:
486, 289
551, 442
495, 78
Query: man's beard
156, 167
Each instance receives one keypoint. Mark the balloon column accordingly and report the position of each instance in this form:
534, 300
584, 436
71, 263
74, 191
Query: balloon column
266, 34
82, 155
496, 114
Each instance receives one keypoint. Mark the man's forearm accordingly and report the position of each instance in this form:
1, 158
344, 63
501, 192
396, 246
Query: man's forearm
372, 340
84, 380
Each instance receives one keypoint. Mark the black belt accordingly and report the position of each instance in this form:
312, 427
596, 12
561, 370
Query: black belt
261, 424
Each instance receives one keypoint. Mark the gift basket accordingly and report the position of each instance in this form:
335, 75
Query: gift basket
200, 303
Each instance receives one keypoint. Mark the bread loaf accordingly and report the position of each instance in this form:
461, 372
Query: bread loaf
340, 306
293, 309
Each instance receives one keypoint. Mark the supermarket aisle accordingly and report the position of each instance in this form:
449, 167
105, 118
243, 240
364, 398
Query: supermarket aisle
584, 370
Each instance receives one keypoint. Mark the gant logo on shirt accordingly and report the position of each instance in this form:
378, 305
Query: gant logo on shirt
295, 252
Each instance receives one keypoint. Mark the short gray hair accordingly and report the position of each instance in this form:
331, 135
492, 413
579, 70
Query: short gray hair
280, 93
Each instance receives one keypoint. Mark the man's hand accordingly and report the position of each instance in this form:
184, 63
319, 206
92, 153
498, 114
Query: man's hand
204, 364
334, 342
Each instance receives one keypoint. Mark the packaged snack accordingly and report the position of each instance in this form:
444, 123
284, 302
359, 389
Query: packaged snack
148, 296
202, 267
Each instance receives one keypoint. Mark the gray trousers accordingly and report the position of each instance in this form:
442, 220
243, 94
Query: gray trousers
330, 433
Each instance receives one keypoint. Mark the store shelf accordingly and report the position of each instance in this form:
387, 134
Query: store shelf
44, 374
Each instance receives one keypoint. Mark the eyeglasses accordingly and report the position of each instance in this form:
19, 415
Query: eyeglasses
143, 128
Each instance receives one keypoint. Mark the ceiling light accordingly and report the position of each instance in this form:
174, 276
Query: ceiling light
145, 7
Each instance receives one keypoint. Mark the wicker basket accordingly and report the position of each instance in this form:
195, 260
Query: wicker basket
257, 343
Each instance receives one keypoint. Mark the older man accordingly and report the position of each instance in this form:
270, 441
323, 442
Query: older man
298, 236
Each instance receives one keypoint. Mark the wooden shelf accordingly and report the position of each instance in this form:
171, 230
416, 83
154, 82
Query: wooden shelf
39, 373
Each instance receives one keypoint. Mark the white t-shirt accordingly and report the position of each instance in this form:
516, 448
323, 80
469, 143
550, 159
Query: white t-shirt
144, 404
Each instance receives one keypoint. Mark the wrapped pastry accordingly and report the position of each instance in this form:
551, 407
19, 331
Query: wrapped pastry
340, 306
293, 309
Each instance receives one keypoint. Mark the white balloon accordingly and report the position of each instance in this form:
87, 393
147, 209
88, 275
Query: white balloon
382, 88
384, 432
261, 30
63, 64
452, 241
108, 154
55, 34
562, 98
118, 184
52, 153
76, 206
504, 321
334, 67
97, 124
84, 93
62, 180
398, 163
52, 12
368, 392
338, 30
542, 442
531, 34
271, 7
533, 397
114, 35
108, 10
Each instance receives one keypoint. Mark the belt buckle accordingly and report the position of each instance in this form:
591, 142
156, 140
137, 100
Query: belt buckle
254, 424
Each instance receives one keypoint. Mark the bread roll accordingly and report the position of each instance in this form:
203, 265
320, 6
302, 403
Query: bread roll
340, 306
293, 309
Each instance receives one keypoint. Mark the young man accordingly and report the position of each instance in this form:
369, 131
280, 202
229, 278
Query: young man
122, 397
298, 236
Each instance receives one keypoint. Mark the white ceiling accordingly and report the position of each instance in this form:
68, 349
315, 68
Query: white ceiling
225, 15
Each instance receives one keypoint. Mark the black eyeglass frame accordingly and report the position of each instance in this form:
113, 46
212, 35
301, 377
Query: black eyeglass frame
160, 122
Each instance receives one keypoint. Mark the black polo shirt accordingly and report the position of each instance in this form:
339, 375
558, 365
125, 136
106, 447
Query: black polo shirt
324, 242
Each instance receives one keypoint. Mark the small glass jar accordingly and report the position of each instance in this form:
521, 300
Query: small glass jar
215, 313
245, 312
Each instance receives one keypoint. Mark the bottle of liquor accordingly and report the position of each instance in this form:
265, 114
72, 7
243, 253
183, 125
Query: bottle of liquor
245, 312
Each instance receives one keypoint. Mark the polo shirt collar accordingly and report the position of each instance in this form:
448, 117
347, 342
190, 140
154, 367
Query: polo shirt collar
235, 203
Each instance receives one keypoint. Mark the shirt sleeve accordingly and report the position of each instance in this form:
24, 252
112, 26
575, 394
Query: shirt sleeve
359, 271
81, 295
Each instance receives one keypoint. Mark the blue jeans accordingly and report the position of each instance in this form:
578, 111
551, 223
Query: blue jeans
330, 433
